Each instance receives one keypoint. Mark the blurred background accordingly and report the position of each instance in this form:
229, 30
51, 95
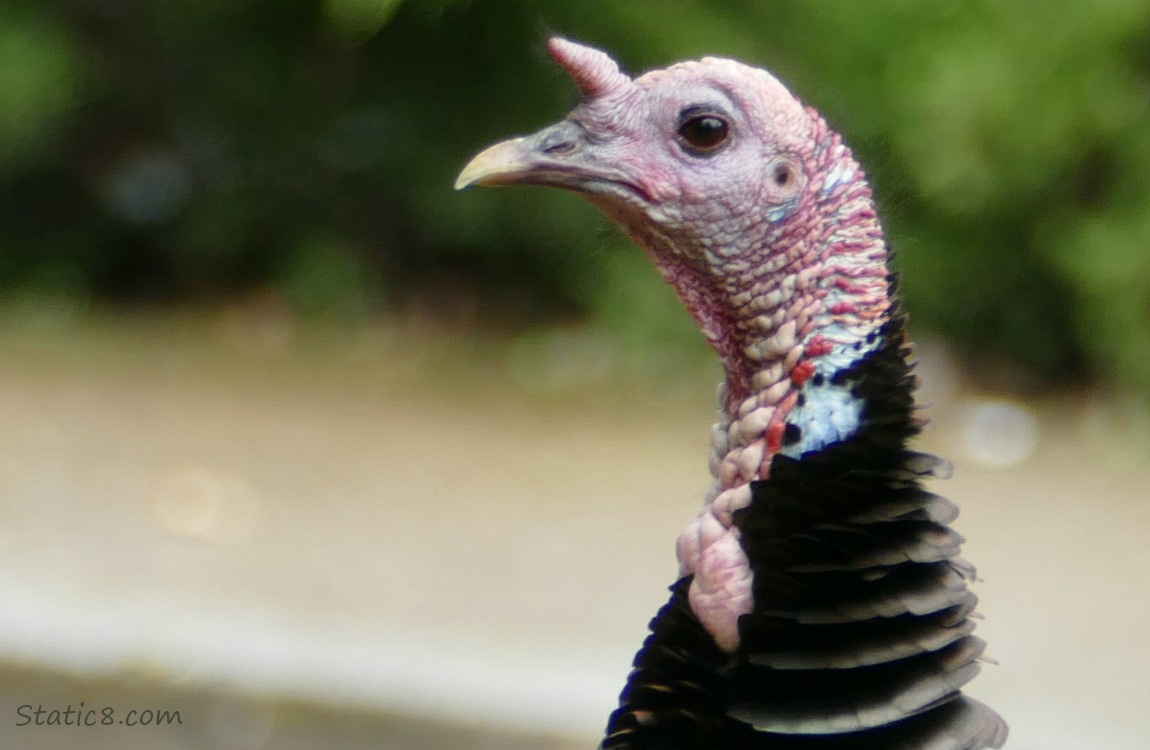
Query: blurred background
306, 446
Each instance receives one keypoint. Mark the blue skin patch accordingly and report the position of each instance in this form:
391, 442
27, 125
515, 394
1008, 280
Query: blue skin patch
829, 413
781, 211
840, 173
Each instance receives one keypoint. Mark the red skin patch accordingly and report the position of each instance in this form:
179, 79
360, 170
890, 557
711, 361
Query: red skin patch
817, 347
848, 287
802, 372
775, 432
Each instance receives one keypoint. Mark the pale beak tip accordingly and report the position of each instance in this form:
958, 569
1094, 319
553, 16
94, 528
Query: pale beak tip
500, 159
468, 177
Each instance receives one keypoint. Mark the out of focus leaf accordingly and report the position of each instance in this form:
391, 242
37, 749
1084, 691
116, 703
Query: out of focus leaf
172, 149
359, 19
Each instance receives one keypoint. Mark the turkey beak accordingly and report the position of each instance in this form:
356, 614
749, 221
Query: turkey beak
541, 159
500, 164
558, 156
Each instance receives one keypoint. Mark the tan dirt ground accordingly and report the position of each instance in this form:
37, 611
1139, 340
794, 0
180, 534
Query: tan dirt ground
301, 539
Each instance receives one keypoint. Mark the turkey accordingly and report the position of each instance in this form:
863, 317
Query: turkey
821, 602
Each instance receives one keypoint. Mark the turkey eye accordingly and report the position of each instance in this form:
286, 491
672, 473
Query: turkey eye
704, 133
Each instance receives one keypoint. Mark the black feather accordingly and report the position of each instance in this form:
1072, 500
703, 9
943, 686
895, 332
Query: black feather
860, 636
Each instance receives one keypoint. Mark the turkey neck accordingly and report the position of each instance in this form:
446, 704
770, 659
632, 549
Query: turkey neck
802, 298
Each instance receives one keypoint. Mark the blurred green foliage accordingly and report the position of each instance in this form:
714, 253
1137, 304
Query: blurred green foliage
180, 149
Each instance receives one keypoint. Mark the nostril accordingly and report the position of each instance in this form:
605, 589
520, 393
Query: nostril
561, 139
558, 148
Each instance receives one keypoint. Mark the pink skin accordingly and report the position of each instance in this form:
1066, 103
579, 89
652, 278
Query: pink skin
770, 241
